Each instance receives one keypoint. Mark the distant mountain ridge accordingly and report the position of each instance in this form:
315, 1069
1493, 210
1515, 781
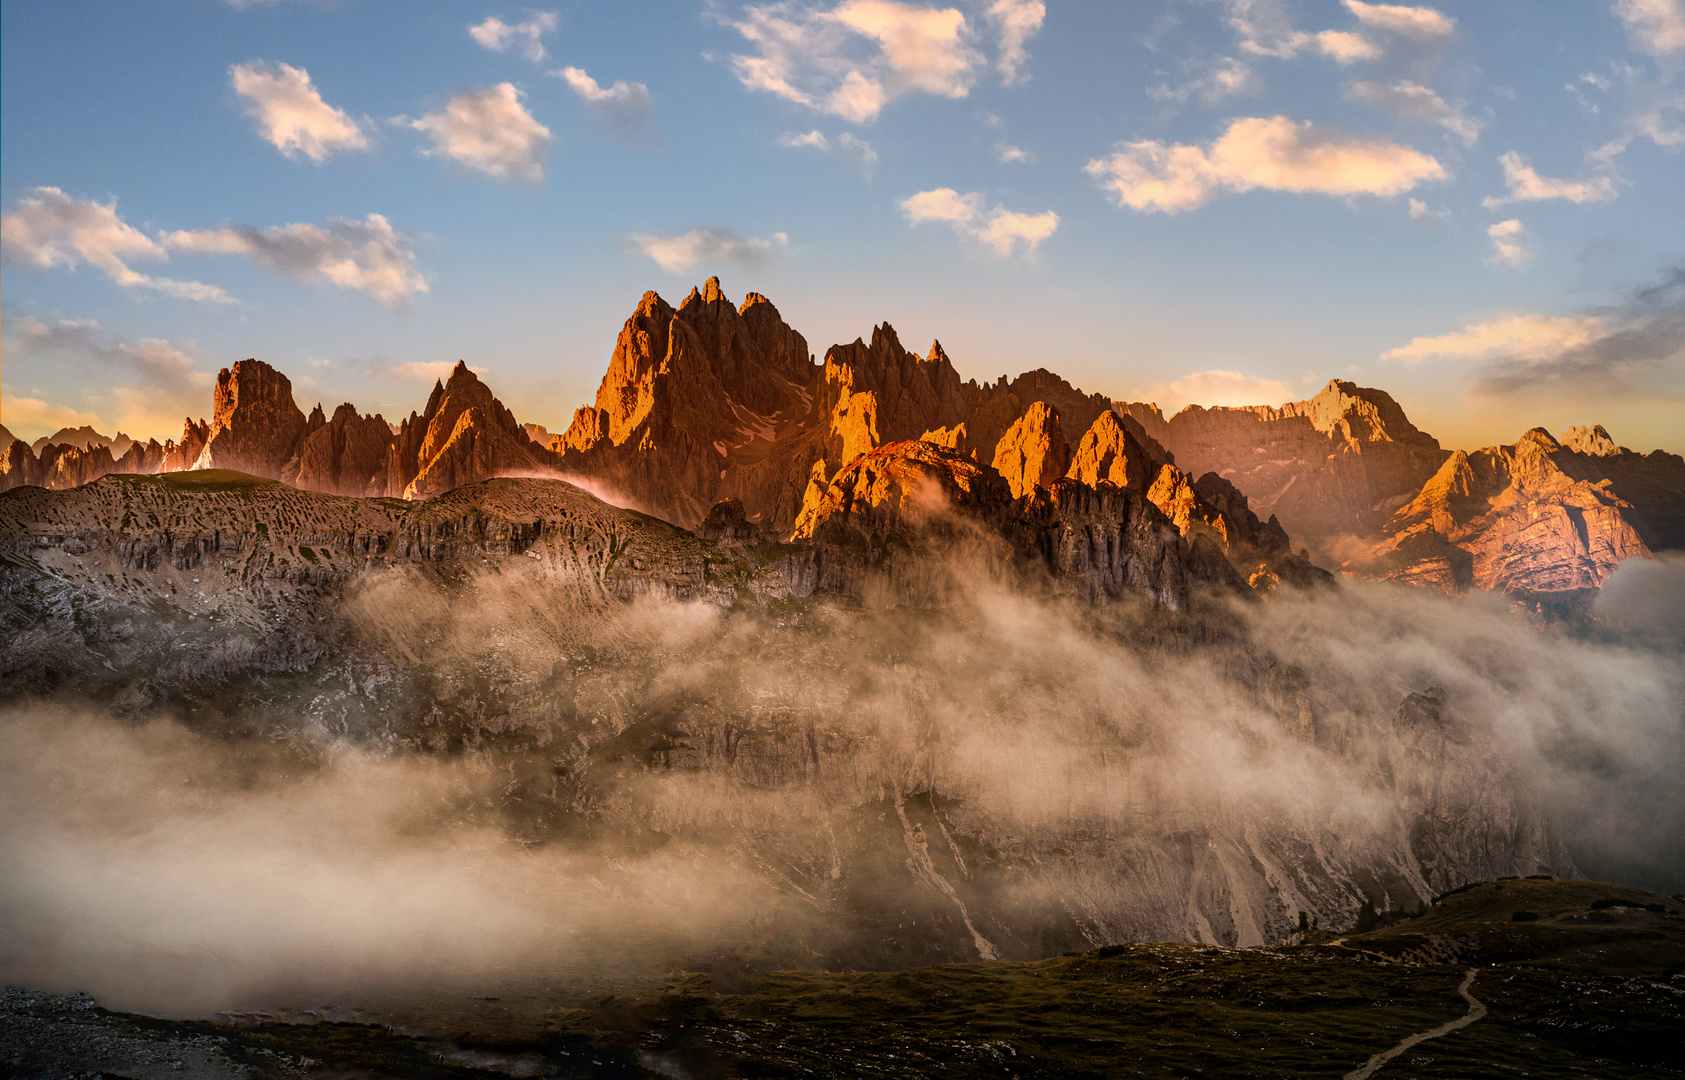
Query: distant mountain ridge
712, 402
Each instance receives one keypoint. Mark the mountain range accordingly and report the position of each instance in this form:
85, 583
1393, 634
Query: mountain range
716, 408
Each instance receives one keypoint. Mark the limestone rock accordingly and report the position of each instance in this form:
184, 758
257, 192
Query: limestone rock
1108, 452
1033, 453
1527, 520
183, 455
255, 424
344, 455
1339, 463
466, 435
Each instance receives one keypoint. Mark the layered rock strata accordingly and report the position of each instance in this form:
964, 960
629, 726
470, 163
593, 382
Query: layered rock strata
1537, 519
1337, 464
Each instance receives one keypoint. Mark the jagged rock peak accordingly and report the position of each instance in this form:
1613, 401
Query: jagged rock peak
1109, 452
1033, 453
938, 355
1594, 441
255, 423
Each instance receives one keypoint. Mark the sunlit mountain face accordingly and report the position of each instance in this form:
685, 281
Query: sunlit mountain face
449, 629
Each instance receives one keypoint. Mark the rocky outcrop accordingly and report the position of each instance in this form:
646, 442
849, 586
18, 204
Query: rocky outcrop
58, 466
1109, 452
1033, 453
1535, 520
183, 455
1653, 483
465, 435
344, 455
255, 424
1339, 463
79, 437
914, 523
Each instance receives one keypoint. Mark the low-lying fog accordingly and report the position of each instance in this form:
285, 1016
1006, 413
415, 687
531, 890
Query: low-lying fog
1109, 767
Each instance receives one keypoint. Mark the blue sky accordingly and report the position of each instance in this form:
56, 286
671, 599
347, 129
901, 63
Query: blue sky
1476, 206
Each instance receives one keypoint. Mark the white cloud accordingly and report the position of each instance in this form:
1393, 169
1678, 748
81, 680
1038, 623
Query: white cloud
624, 105
369, 256
1210, 83
1218, 388
1509, 243
1346, 48
291, 114
497, 35
1274, 153
997, 229
1420, 23
1420, 210
856, 153
488, 130
1264, 28
1657, 26
1007, 154
853, 59
1518, 337
1526, 185
1017, 21
1414, 101
49, 228
677, 254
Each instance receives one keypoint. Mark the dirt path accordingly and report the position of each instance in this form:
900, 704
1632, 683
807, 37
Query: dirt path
1476, 1011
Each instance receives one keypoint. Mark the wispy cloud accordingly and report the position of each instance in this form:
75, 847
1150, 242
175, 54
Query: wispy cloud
528, 36
1210, 82
368, 256
1631, 349
290, 112
626, 106
48, 229
1420, 23
1016, 21
678, 254
489, 131
1274, 153
141, 387
854, 152
1656, 26
996, 229
1413, 101
852, 59
1509, 245
1526, 185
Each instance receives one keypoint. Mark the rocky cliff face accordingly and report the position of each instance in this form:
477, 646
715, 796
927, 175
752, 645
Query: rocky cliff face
255, 424
342, 456
1337, 464
1538, 520
1033, 453
706, 402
